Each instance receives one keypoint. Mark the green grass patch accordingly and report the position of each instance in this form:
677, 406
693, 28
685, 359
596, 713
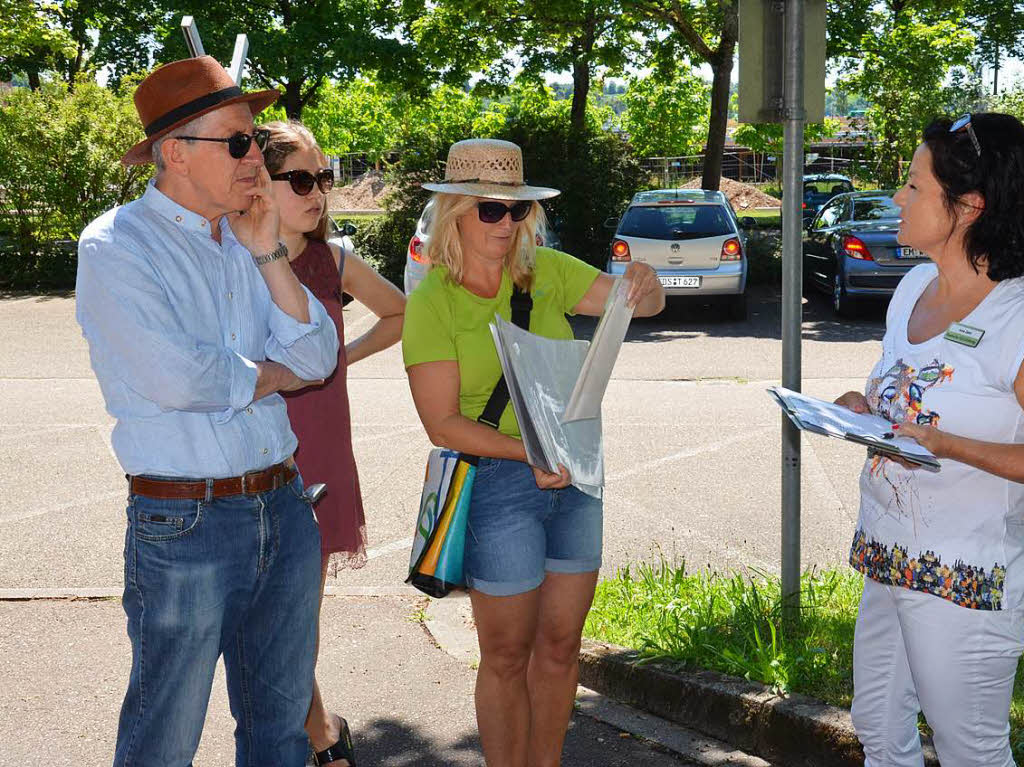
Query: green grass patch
732, 623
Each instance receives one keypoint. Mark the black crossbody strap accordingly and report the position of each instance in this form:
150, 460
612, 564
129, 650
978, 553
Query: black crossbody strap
522, 305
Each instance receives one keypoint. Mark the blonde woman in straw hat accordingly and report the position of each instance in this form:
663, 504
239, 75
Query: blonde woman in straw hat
533, 546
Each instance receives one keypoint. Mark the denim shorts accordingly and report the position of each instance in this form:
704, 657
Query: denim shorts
518, 532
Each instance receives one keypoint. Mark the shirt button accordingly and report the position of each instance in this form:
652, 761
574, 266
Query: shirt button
230, 295
248, 410
178, 219
203, 224
232, 336
265, 451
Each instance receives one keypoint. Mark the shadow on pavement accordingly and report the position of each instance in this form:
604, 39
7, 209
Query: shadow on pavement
684, 318
393, 743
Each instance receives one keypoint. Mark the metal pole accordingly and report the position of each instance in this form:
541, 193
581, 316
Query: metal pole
792, 278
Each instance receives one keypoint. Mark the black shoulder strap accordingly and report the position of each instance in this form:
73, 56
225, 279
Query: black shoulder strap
522, 305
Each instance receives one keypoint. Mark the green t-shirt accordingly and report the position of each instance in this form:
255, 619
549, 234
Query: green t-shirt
444, 321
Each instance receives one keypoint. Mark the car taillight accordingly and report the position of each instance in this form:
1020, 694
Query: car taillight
620, 251
854, 247
803, 205
416, 250
732, 250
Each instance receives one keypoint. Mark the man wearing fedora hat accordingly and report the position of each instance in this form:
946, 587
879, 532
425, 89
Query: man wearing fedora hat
195, 322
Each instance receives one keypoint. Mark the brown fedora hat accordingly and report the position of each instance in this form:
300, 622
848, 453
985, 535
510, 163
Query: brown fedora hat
181, 91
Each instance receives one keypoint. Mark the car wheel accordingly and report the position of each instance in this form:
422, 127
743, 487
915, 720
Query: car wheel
842, 303
736, 307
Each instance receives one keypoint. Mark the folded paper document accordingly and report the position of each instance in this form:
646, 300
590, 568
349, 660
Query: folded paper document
556, 389
821, 417
585, 400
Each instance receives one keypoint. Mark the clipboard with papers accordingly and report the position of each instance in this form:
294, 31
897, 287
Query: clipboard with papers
821, 417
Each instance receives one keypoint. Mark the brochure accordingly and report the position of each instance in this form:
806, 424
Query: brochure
585, 400
821, 417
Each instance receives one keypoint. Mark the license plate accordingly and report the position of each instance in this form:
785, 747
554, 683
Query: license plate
680, 282
906, 252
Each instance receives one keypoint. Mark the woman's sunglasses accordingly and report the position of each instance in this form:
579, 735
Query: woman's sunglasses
493, 212
302, 181
964, 123
239, 143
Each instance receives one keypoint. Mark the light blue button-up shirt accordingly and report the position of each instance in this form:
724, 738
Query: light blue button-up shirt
175, 324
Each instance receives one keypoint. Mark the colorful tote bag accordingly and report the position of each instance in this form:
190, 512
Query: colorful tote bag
439, 541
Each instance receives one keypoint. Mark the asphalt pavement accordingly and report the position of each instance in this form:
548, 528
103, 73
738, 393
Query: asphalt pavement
692, 463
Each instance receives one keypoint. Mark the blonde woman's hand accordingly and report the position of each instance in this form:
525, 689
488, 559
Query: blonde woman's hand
548, 481
643, 281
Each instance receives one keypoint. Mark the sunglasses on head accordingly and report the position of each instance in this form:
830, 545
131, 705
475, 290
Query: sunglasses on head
238, 143
493, 212
964, 123
302, 181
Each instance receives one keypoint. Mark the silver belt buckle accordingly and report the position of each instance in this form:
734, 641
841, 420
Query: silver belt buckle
245, 489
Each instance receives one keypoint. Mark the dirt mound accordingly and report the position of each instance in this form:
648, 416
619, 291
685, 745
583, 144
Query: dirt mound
365, 193
742, 196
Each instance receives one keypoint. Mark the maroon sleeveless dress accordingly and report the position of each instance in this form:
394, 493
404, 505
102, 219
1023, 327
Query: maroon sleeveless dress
320, 419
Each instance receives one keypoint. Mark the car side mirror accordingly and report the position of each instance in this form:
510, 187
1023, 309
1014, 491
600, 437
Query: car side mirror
611, 223
748, 222
348, 230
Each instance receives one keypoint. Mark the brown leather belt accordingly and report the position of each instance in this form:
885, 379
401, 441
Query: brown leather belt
250, 483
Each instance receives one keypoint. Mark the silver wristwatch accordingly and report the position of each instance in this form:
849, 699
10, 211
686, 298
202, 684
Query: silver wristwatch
281, 251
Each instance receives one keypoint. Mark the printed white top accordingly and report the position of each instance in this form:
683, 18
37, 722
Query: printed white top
958, 533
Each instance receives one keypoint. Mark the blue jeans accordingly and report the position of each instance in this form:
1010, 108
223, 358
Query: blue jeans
238, 576
517, 532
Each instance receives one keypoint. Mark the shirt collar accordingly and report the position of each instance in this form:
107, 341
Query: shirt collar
173, 212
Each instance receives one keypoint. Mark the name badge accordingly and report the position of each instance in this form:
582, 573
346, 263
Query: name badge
959, 333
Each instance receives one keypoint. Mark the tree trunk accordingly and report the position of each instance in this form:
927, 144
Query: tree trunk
719, 120
292, 100
33, 78
580, 90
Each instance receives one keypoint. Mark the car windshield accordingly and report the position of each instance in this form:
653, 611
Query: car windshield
874, 208
827, 186
675, 222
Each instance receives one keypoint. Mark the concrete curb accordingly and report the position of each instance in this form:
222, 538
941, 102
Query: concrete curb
791, 730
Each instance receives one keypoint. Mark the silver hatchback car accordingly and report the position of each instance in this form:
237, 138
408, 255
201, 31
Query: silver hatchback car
692, 239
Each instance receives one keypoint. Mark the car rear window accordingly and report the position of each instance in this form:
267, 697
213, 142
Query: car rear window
874, 208
827, 187
675, 222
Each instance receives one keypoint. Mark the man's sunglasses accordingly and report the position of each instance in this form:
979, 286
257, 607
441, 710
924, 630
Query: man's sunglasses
239, 143
302, 181
493, 212
964, 123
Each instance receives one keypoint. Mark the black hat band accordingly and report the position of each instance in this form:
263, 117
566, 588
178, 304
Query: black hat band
192, 107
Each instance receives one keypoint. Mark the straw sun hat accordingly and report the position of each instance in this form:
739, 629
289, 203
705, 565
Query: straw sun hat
484, 167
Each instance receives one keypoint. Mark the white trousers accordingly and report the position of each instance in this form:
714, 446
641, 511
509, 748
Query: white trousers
917, 652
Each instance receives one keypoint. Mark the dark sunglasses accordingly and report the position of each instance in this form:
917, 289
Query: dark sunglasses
964, 123
493, 212
239, 143
302, 181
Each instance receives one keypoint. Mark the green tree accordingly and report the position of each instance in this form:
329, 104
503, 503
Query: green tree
905, 56
361, 115
295, 47
31, 39
577, 36
60, 168
667, 117
704, 31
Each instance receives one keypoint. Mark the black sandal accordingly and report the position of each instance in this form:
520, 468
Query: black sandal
341, 750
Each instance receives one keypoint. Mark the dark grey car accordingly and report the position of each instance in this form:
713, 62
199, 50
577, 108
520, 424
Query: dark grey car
850, 249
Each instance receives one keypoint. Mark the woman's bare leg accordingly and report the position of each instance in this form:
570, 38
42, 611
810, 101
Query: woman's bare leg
565, 600
505, 628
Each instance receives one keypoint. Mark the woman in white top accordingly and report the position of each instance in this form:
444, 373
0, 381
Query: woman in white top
941, 622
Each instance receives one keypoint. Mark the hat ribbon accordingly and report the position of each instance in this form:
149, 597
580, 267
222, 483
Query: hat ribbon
192, 107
